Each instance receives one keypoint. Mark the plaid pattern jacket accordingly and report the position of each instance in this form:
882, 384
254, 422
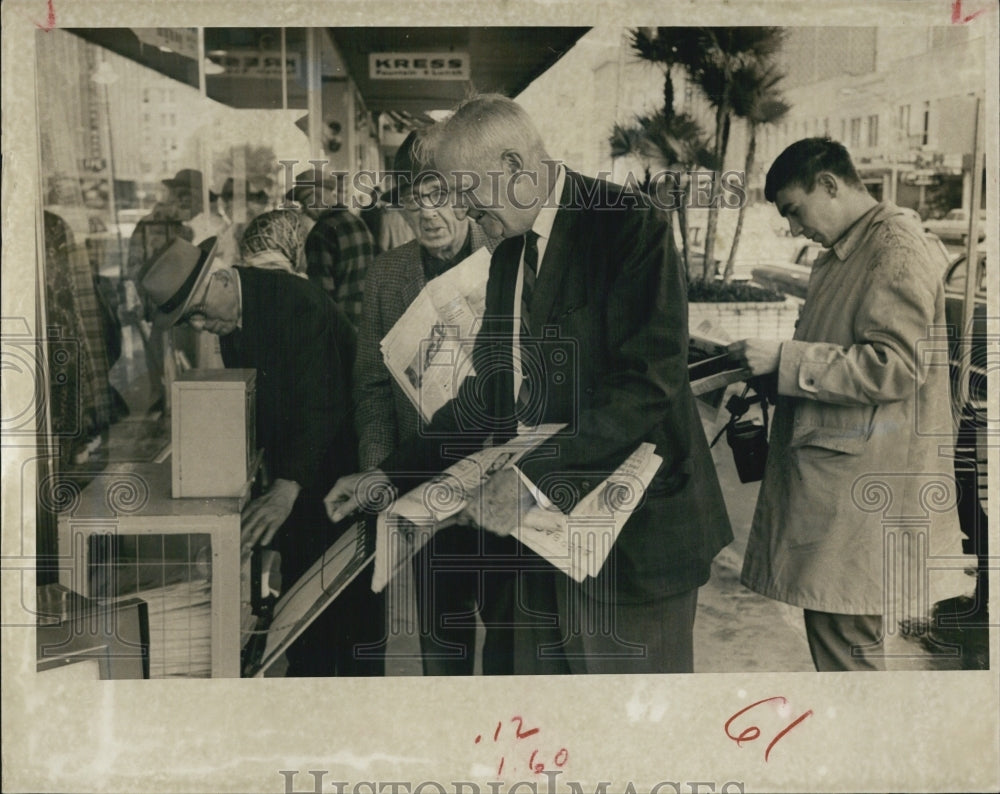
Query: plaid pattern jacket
383, 415
339, 250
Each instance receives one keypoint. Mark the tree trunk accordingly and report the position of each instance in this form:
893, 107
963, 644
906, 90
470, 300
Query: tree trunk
721, 117
747, 168
685, 244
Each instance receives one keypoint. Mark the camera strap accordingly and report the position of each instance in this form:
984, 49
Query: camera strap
738, 406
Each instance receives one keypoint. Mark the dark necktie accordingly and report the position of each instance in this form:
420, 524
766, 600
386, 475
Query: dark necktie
528, 282
524, 394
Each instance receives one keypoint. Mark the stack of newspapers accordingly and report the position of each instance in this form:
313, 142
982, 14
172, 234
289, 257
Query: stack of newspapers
576, 543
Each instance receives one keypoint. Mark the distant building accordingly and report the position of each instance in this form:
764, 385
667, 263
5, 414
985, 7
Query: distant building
901, 99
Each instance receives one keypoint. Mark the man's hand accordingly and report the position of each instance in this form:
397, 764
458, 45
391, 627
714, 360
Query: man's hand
265, 515
499, 504
760, 356
367, 490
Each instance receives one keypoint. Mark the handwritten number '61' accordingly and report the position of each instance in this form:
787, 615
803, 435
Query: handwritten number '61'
753, 732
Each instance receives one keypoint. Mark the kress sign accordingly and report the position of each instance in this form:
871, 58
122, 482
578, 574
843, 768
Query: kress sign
418, 66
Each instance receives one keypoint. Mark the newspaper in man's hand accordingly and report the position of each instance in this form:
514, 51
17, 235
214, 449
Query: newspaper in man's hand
579, 543
405, 526
429, 349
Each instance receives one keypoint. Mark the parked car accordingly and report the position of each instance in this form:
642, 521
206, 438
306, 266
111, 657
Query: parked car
954, 291
954, 226
792, 278
962, 621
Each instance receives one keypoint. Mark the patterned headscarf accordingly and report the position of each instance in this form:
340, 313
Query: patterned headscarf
276, 239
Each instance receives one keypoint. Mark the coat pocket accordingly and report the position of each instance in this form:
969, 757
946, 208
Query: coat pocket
838, 428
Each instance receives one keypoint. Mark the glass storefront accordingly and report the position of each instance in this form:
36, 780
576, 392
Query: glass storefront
147, 135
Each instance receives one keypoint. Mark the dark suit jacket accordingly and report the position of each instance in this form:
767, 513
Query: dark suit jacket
610, 309
302, 347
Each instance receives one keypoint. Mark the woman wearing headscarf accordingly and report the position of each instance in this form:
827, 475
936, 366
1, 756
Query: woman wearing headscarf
276, 240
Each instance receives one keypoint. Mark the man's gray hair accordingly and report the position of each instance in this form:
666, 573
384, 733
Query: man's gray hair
479, 131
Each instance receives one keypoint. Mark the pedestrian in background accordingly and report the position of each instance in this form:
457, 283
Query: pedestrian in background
451, 584
339, 249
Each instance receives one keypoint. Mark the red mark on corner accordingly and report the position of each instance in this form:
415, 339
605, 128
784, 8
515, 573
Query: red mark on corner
753, 732
956, 14
50, 22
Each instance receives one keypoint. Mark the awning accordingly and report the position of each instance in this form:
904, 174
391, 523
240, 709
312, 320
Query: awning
502, 60
495, 59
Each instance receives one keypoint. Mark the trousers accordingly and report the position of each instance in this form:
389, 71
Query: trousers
562, 629
462, 574
839, 643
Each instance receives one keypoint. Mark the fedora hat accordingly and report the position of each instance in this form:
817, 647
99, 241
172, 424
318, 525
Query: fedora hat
305, 184
173, 276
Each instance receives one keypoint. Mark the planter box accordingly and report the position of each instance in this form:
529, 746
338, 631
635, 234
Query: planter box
751, 319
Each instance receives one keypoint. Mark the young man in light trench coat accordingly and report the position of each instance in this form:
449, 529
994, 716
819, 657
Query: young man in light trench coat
856, 514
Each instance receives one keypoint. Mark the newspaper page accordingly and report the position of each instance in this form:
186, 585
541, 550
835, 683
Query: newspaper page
428, 351
409, 523
579, 543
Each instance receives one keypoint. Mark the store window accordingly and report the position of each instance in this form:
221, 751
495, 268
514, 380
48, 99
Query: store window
123, 172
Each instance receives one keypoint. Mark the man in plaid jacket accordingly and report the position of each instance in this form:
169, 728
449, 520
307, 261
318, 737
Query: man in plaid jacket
384, 417
339, 248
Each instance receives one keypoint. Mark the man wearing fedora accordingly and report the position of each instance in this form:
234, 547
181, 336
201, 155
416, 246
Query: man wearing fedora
302, 347
181, 214
450, 588
339, 248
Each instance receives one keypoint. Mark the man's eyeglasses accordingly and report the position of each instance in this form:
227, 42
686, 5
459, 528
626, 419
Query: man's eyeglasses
433, 199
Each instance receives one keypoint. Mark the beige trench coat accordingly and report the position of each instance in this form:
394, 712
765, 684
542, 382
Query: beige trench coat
856, 511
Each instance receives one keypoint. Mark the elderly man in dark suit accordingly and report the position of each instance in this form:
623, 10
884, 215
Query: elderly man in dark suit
450, 591
587, 266
302, 347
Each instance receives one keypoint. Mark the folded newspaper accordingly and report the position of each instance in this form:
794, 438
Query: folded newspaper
577, 543
429, 349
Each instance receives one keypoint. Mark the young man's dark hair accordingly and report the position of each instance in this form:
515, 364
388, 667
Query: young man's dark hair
800, 163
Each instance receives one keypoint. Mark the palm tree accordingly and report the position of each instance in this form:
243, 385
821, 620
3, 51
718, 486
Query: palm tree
713, 59
758, 101
666, 140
